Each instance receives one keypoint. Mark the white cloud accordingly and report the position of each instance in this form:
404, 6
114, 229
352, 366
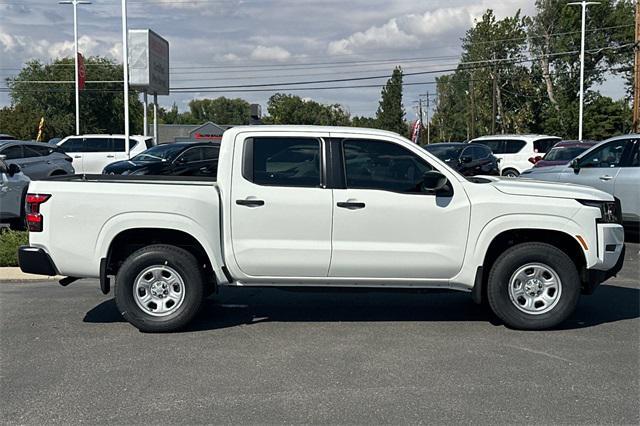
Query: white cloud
275, 53
433, 27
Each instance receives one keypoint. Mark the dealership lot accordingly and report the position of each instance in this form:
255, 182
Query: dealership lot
270, 356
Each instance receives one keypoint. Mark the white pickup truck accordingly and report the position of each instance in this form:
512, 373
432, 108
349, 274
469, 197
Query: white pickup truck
325, 207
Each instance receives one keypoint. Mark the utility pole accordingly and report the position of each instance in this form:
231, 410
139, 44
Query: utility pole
584, 5
125, 74
473, 110
636, 78
75, 4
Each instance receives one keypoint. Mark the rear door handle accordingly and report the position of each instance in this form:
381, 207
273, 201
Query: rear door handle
77, 156
250, 203
351, 205
111, 156
606, 177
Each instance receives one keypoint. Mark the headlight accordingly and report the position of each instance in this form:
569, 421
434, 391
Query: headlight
609, 210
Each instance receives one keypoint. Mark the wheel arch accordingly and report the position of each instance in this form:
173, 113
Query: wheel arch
502, 241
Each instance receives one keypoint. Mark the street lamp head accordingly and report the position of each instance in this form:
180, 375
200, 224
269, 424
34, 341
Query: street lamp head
582, 3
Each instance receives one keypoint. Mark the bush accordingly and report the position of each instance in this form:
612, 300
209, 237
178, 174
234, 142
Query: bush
9, 243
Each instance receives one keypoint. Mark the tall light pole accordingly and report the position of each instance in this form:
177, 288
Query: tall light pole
75, 4
584, 5
125, 74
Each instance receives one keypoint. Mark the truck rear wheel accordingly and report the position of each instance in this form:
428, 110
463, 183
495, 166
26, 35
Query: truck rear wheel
533, 286
159, 288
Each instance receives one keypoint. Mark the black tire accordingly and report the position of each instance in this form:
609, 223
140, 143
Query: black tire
518, 256
186, 266
510, 173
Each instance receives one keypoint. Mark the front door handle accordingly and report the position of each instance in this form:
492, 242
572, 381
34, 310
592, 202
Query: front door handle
606, 177
351, 205
250, 203
111, 156
77, 156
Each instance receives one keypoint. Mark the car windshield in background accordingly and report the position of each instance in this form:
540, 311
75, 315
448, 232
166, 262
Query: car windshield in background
446, 152
159, 153
565, 153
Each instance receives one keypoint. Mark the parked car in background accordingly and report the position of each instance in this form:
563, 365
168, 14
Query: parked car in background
91, 153
13, 189
466, 159
37, 160
611, 166
562, 153
5, 137
176, 159
514, 151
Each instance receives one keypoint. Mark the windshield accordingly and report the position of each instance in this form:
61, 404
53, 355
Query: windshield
564, 153
159, 153
445, 153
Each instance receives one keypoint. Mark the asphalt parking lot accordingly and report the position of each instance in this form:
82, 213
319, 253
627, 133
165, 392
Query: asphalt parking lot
270, 356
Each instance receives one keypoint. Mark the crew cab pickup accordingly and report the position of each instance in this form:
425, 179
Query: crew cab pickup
298, 206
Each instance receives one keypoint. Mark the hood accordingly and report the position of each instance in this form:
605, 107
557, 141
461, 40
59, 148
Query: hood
559, 168
126, 165
520, 186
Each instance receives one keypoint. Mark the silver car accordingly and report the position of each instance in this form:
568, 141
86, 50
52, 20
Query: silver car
36, 159
612, 166
13, 188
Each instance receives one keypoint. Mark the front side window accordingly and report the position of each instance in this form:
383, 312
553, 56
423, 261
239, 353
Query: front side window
607, 156
371, 164
544, 145
73, 145
211, 153
284, 161
12, 152
191, 155
496, 146
513, 146
118, 144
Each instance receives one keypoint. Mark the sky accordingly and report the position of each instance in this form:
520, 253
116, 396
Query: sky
239, 42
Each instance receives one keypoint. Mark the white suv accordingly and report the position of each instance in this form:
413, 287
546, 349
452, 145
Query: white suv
514, 151
92, 153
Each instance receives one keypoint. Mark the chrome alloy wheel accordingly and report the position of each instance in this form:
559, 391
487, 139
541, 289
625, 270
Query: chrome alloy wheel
535, 288
159, 290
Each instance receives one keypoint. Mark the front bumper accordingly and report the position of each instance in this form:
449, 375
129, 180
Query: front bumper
34, 260
595, 277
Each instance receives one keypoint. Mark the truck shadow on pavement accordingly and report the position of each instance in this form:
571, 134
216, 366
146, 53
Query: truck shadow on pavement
234, 307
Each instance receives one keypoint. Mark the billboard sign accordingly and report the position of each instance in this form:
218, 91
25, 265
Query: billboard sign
148, 62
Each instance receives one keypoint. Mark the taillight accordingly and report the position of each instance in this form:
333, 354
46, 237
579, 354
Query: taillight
34, 218
534, 160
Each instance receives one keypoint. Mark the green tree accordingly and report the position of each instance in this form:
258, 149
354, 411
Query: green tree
390, 113
173, 116
220, 111
291, 109
366, 122
101, 104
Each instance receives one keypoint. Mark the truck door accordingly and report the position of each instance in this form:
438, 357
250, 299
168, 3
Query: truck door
384, 226
280, 212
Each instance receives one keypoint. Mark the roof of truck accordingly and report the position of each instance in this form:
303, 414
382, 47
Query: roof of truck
319, 129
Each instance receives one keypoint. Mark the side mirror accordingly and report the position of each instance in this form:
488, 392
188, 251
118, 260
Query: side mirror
575, 165
433, 181
13, 169
465, 159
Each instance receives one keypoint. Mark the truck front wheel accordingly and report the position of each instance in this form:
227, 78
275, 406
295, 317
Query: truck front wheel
533, 286
159, 288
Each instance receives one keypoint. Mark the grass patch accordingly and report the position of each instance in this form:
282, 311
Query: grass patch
9, 243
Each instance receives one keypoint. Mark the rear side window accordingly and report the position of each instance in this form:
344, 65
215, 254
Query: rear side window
12, 152
371, 164
635, 155
544, 145
148, 142
98, 145
496, 146
282, 161
73, 145
211, 153
513, 146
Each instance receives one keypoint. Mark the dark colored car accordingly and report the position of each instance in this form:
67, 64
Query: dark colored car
468, 159
175, 159
563, 152
38, 160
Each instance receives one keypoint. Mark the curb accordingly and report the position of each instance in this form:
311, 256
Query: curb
15, 274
